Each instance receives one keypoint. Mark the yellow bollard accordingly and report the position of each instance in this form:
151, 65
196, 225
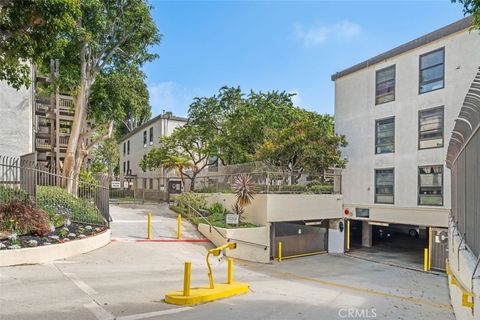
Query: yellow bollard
186, 278
425, 259
430, 248
279, 251
179, 227
149, 226
348, 235
230, 271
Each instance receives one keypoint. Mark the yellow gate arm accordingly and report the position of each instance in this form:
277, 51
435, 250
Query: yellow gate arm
216, 252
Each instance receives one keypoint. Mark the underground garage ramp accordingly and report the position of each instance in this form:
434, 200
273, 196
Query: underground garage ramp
299, 238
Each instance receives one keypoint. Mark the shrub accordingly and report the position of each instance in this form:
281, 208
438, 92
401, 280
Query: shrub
28, 219
12, 194
218, 208
191, 199
325, 188
61, 204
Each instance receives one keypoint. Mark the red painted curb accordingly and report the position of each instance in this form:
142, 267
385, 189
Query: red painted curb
163, 240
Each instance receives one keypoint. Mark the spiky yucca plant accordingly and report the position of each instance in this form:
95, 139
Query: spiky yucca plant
244, 189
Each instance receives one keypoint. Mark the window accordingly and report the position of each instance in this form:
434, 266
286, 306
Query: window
385, 85
124, 148
151, 184
124, 167
151, 136
430, 185
362, 213
144, 138
128, 167
432, 71
385, 135
128, 147
384, 186
430, 128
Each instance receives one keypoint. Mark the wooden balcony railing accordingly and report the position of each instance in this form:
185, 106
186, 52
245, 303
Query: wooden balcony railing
65, 105
43, 144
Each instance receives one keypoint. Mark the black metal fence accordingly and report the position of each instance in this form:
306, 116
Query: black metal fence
464, 160
22, 180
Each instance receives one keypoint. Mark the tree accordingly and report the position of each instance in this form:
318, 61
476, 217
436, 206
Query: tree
471, 7
190, 144
105, 157
307, 143
105, 36
179, 163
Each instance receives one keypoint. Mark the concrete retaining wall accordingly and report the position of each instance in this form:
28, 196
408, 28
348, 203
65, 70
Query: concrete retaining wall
257, 245
52, 252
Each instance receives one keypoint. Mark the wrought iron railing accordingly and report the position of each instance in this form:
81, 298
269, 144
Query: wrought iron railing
43, 187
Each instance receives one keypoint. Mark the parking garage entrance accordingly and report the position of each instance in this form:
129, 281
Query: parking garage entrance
396, 244
299, 238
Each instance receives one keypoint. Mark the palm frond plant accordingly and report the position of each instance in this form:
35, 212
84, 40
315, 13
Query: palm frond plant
180, 164
244, 188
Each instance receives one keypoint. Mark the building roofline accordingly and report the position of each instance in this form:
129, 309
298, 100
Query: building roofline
421, 41
150, 122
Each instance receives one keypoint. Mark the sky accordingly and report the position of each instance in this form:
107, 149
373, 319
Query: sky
291, 46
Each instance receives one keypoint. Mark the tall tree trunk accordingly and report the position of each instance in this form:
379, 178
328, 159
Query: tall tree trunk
70, 165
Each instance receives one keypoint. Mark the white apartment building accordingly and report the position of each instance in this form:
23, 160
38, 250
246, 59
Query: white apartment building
398, 110
136, 144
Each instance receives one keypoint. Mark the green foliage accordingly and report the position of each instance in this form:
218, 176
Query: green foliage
120, 95
105, 157
217, 208
191, 199
214, 190
471, 7
58, 202
12, 194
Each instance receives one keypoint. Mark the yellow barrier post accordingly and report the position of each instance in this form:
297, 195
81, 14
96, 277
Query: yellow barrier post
279, 251
230, 271
425, 259
430, 235
186, 278
348, 235
179, 227
149, 226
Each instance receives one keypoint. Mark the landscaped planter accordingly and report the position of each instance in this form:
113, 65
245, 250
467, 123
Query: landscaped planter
52, 252
253, 244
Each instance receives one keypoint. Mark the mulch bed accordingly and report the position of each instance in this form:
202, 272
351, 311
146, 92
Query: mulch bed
74, 231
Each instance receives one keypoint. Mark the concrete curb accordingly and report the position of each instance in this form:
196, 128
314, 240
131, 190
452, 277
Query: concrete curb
52, 252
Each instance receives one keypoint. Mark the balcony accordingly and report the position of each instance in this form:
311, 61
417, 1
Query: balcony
43, 144
63, 140
42, 105
65, 106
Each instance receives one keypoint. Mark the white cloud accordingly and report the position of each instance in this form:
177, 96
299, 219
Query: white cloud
318, 34
170, 96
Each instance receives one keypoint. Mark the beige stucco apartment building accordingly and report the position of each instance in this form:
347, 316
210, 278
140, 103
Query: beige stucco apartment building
135, 145
397, 111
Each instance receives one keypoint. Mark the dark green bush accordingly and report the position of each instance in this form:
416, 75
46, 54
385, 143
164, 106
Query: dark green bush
12, 194
59, 204
321, 189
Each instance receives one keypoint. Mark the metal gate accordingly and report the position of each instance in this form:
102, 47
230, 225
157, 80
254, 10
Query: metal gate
299, 239
439, 241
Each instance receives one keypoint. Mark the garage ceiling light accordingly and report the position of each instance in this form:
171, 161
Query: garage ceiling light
383, 224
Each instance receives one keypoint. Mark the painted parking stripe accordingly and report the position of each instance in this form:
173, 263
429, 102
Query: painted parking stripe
98, 311
80, 284
154, 314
